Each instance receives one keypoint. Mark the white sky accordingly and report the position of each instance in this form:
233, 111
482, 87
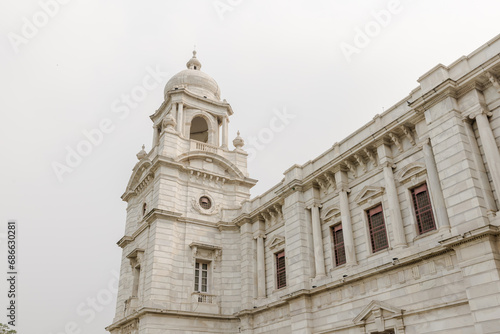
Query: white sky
265, 55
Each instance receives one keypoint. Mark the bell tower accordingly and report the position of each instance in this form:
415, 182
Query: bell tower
180, 268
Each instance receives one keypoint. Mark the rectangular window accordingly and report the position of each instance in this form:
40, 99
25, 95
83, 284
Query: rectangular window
423, 209
280, 270
338, 245
376, 224
201, 277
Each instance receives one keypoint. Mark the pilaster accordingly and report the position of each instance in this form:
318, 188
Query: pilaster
298, 248
455, 166
350, 251
394, 210
436, 192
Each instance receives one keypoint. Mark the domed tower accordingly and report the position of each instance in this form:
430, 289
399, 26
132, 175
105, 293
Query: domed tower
180, 267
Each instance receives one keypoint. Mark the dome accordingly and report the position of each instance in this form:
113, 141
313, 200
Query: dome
194, 80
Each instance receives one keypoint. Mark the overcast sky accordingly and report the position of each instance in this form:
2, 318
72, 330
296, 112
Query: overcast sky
65, 74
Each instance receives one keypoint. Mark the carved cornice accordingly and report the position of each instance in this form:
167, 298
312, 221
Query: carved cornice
124, 241
476, 234
161, 311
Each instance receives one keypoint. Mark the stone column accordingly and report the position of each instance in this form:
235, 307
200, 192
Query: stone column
247, 265
478, 160
180, 118
434, 185
489, 144
393, 209
155, 135
319, 255
261, 266
224, 143
350, 251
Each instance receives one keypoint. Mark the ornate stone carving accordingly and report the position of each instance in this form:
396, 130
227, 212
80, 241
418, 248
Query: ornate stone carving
371, 156
361, 162
494, 80
408, 133
396, 141
351, 167
213, 210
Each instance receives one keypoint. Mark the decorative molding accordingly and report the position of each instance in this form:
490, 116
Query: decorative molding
411, 171
396, 141
277, 242
361, 162
494, 80
214, 209
124, 241
382, 314
206, 252
323, 185
351, 167
371, 156
408, 133
331, 180
368, 194
330, 213
136, 256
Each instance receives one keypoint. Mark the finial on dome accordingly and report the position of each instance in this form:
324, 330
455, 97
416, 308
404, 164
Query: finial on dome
142, 154
238, 142
194, 63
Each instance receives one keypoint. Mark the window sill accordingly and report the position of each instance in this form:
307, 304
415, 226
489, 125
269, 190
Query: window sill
426, 234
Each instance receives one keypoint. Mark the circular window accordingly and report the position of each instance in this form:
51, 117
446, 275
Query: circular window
205, 202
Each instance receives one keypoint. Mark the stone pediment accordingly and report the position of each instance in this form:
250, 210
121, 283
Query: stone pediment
277, 242
369, 194
141, 176
381, 316
230, 169
411, 171
330, 213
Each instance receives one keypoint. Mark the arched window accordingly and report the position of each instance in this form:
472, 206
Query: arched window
199, 129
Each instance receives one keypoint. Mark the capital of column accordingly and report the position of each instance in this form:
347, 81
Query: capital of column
260, 235
314, 205
424, 141
480, 111
388, 164
343, 188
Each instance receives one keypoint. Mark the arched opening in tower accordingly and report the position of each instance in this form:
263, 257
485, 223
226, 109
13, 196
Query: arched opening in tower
199, 129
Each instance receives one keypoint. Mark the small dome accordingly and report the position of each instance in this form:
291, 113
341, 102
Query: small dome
194, 80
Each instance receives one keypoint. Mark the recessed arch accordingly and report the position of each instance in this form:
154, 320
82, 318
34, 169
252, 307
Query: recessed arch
199, 129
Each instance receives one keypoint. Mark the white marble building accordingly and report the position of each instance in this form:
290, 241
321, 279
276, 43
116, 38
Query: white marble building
395, 229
